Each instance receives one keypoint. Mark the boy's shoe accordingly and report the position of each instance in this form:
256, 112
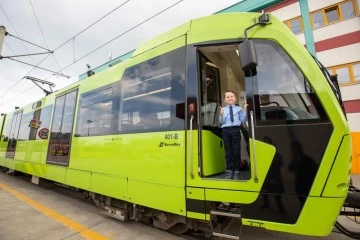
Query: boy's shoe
236, 175
229, 174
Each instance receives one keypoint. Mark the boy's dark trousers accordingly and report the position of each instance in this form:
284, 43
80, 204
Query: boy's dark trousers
231, 137
245, 133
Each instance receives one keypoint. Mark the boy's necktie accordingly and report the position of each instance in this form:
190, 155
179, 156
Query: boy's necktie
231, 114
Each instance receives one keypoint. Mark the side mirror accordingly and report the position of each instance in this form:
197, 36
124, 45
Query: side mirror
248, 58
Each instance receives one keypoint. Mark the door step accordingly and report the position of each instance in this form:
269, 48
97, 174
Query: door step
222, 221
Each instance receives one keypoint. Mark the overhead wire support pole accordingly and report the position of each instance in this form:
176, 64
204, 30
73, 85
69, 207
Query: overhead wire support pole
2, 35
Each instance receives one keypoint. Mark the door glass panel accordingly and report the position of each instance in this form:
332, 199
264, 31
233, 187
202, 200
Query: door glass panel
13, 135
66, 127
7, 129
55, 135
61, 130
210, 92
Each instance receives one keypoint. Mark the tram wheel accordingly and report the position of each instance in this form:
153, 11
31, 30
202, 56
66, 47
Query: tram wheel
179, 228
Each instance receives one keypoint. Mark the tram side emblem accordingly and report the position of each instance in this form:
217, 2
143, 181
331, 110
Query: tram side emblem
43, 133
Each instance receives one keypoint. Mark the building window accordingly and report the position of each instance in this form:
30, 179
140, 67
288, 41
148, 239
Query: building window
347, 73
295, 25
333, 13
343, 74
347, 9
317, 19
356, 72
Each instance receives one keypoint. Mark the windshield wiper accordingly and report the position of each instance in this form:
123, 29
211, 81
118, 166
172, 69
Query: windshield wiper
333, 82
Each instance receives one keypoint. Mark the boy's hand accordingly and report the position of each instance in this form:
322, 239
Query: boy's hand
221, 111
245, 106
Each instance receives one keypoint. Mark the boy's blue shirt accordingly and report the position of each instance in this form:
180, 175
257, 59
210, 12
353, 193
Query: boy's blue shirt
240, 116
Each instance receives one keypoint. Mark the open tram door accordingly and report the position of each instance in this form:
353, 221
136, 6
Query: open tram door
220, 70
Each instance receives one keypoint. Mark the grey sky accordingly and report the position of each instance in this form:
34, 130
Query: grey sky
61, 20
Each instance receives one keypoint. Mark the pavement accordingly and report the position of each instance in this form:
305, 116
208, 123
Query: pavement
32, 212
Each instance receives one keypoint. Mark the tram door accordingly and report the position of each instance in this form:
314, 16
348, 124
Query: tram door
219, 70
62, 128
13, 135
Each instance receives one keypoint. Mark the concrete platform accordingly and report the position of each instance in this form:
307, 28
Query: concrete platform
32, 212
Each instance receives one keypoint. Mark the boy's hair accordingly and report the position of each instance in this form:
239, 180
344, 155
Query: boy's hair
229, 92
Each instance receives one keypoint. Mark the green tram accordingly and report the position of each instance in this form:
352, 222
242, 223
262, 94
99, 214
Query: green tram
169, 168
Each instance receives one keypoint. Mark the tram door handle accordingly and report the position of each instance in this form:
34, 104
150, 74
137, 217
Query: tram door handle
253, 145
191, 147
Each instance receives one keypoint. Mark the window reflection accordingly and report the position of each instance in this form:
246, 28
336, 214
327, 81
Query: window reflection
150, 92
143, 100
283, 93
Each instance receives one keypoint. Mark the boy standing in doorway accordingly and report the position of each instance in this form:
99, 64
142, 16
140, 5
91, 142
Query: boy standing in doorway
231, 117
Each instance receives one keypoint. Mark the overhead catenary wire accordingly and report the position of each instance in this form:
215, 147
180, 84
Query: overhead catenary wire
91, 25
10, 49
53, 59
9, 34
56, 73
22, 42
139, 24
18, 95
107, 14
12, 25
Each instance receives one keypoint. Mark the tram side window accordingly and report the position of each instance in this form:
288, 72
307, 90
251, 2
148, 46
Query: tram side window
282, 92
95, 113
150, 92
